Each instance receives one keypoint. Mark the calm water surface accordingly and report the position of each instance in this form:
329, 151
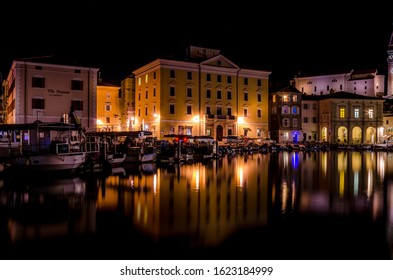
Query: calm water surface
286, 205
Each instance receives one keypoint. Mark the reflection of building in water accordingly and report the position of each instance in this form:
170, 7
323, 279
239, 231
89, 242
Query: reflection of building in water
351, 184
204, 202
56, 208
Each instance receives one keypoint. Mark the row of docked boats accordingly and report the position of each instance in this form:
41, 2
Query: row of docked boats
65, 147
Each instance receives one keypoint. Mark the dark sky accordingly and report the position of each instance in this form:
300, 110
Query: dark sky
120, 36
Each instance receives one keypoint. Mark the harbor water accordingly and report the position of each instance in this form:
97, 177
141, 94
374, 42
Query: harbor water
279, 205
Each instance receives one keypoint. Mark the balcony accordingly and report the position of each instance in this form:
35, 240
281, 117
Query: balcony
220, 117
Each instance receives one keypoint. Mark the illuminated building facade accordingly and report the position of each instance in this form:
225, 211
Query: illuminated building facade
361, 82
202, 94
108, 107
285, 115
46, 89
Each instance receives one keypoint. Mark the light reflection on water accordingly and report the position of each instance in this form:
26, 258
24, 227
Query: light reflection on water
209, 203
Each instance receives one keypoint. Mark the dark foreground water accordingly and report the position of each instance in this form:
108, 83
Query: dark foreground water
286, 205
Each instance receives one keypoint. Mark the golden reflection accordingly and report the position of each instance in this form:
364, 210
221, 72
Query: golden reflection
240, 177
284, 196
324, 163
341, 184
369, 184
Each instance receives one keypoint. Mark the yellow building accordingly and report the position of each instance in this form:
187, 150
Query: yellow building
203, 94
108, 107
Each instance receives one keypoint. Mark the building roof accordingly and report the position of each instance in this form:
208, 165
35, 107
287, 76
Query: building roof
57, 60
289, 88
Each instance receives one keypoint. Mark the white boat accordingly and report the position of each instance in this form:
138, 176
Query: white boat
48, 146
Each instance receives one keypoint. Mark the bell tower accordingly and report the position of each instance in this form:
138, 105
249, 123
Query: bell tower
390, 68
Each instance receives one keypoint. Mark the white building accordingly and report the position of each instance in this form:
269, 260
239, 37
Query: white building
364, 83
46, 89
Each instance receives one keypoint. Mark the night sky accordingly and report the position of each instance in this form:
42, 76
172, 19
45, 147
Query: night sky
120, 36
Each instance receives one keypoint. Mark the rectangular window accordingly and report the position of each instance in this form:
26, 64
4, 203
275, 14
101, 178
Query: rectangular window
172, 91
154, 75
245, 112
108, 120
295, 122
305, 106
172, 74
245, 96
218, 78
208, 93
218, 94
305, 120
356, 112
189, 92
146, 94
259, 97
342, 112
294, 110
259, 113
38, 82
77, 105
208, 110
38, 103
229, 111
285, 98
294, 98
371, 113
107, 107
229, 95
145, 111
171, 109
245, 81
154, 92
259, 82
274, 98
219, 111
189, 75
189, 109
314, 120
229, 79
76, 85
208, 77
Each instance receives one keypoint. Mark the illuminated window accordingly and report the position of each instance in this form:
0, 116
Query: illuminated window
139, 81
342, 112
294, 98
274, 98
371, 113
356, 112
146, 78
285, 98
